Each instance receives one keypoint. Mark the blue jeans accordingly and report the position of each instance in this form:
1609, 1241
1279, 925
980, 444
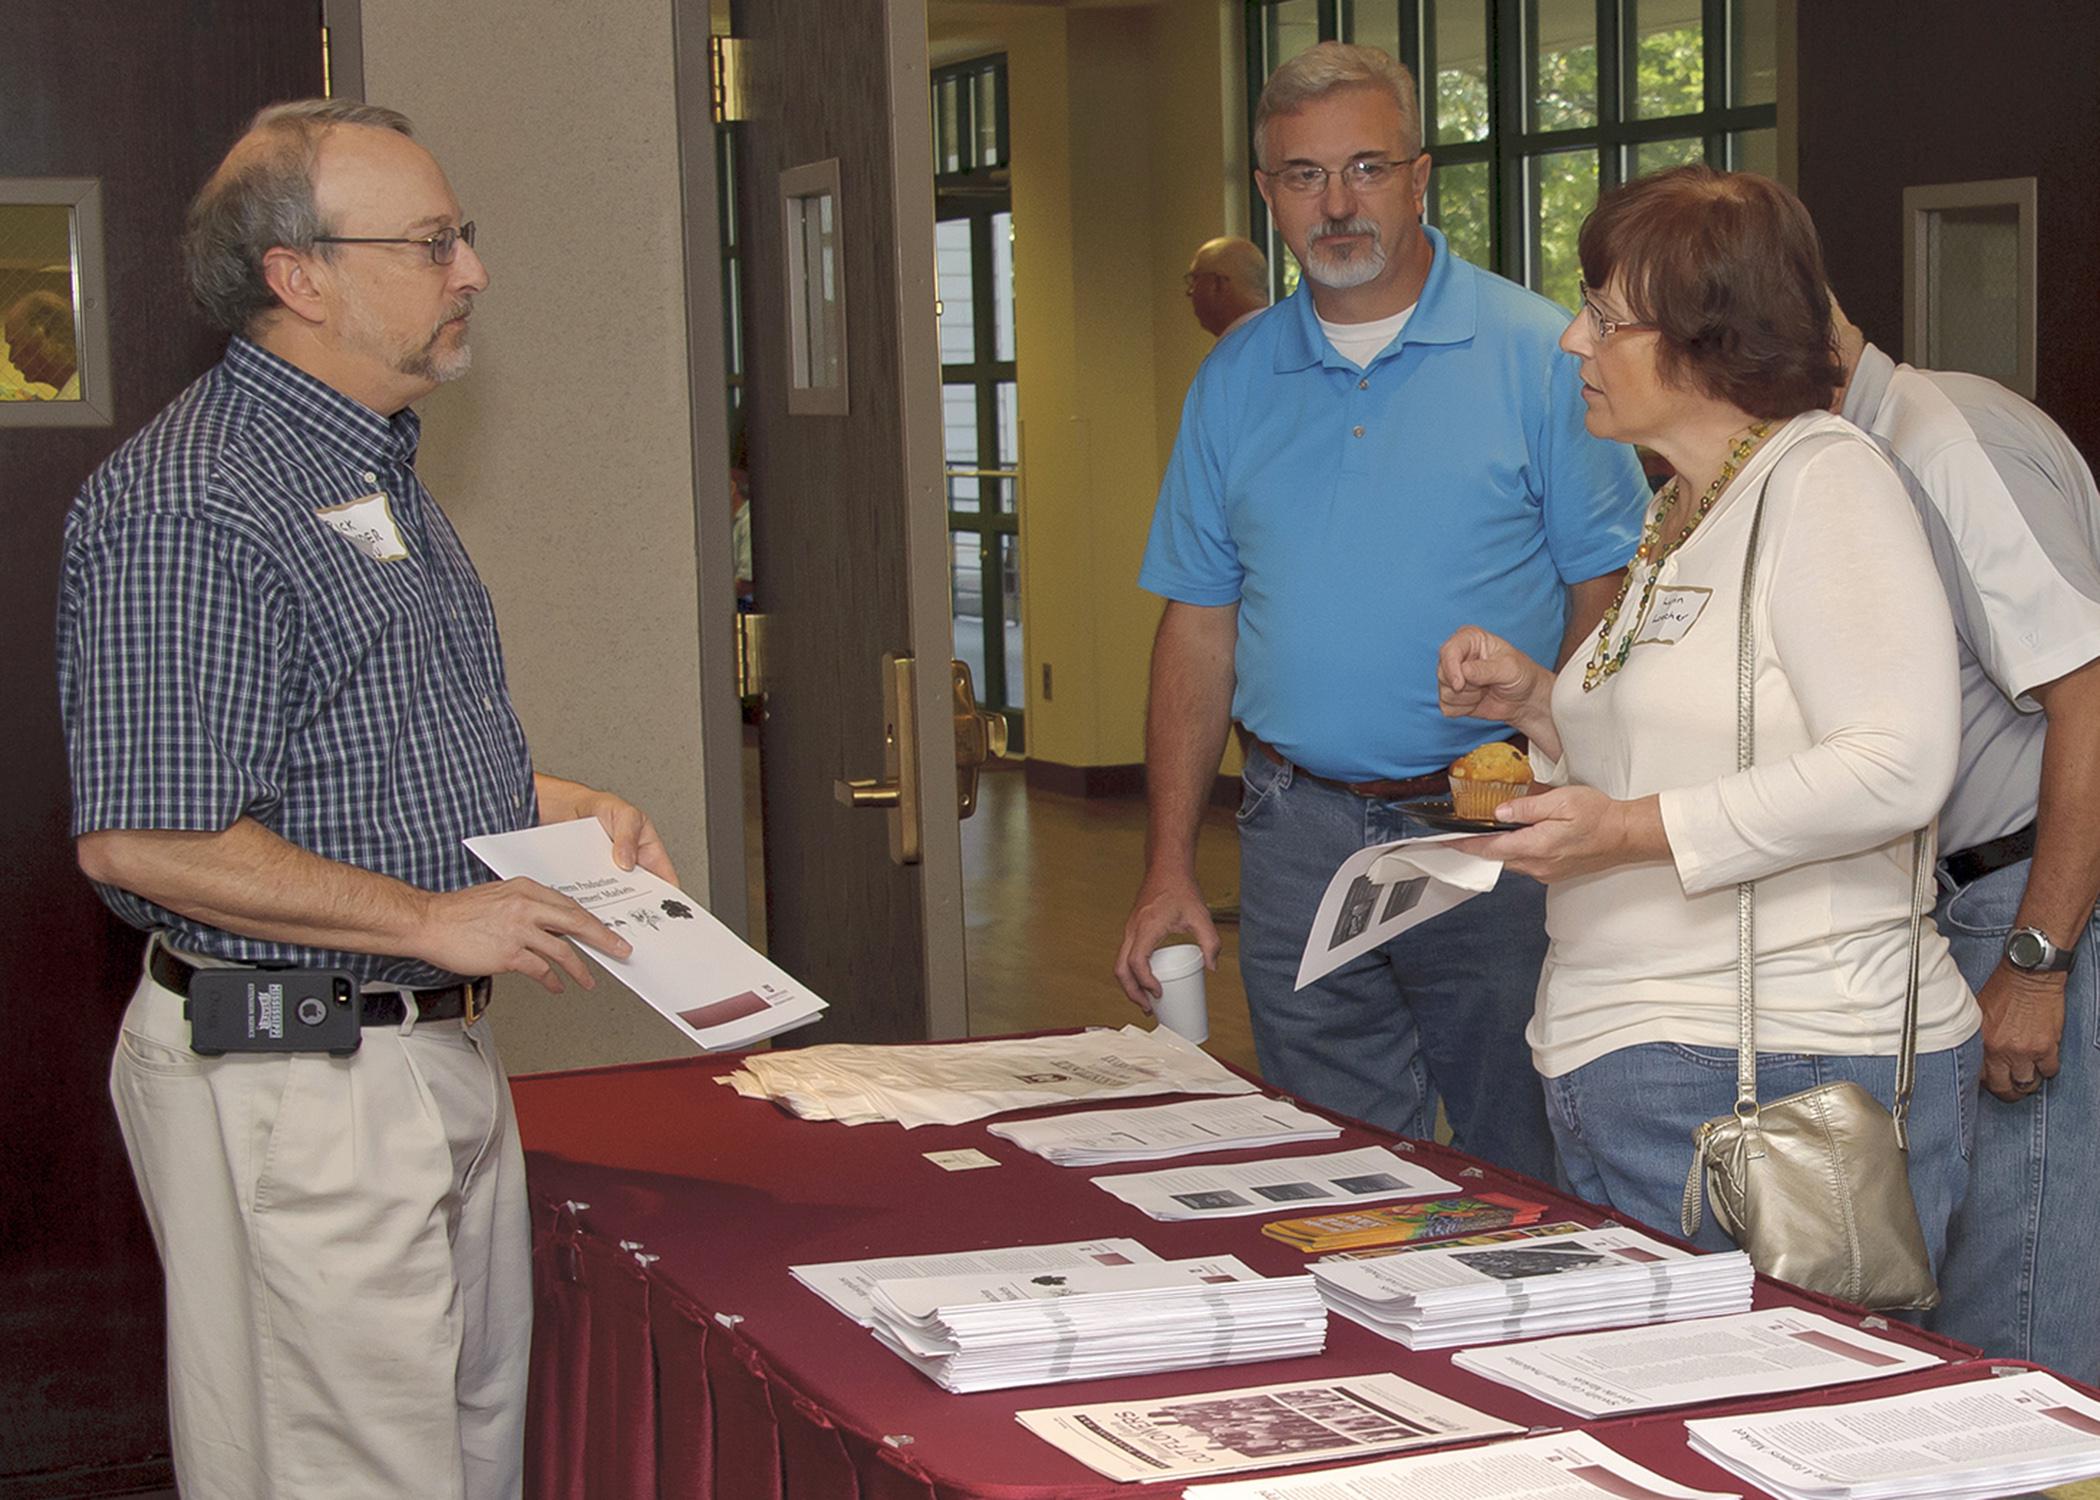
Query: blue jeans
1436, 1011
2023, 1269
1624, 1124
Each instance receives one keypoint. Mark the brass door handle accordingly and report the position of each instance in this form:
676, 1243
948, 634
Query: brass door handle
867, 793
896, 791
980, 738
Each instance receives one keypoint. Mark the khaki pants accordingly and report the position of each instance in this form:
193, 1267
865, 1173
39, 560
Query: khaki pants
346, 1246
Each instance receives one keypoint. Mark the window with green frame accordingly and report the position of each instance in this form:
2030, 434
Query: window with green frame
1531, 108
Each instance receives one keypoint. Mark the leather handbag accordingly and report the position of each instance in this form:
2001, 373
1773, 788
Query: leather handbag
1815, 1186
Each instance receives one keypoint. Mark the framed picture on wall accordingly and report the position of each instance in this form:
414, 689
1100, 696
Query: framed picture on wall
1969, 279
54, 310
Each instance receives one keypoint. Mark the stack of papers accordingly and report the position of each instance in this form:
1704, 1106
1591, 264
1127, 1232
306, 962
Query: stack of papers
718, 991
1437, 1219
1259, 1427
989, 1332
1438, 1296
1975, 1440
1360, 1176
948, 1085
1101, 1136
1566, 1466
1685, 1364
849, 1285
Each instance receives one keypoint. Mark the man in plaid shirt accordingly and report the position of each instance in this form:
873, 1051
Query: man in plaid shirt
285, 707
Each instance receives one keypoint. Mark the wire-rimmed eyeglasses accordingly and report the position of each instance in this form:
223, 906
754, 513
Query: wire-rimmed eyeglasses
1605, 327
443, 245
1367, 174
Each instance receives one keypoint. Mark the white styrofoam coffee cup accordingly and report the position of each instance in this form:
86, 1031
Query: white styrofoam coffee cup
1181, 1006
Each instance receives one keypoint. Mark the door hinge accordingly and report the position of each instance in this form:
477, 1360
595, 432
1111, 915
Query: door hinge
729, 67
750, 656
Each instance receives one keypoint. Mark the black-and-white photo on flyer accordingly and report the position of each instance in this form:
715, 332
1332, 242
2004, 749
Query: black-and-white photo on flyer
1385, 890
1257, 1427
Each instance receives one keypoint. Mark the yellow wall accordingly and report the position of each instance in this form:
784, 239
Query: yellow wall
1125, 158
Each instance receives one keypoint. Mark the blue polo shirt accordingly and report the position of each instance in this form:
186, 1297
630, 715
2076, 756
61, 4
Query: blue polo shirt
1358, 516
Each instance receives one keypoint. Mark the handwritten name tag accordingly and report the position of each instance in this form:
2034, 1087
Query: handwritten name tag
366, 524
1672, 615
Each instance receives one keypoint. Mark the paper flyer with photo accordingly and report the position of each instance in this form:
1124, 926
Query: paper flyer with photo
1565, 1466
701, 977
1507, 1273
1364, 1175
1256, 1427
1382, 891
1099, 1136
1761, 1353
849, 1285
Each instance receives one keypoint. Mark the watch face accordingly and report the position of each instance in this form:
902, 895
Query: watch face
2023, 950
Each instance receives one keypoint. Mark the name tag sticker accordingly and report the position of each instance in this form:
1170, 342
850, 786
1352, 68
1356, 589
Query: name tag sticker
1671, 616
366, 524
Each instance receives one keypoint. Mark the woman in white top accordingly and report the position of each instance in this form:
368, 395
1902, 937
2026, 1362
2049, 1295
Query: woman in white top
1705, 335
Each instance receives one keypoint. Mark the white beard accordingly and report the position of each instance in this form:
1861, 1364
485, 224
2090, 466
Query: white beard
1350, 269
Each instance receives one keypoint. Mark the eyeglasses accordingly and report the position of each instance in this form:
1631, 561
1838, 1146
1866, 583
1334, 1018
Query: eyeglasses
1364, 175
1190, 278
443, 245
1605, 327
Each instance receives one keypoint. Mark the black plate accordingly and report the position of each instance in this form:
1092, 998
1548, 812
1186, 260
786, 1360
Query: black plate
1437, 813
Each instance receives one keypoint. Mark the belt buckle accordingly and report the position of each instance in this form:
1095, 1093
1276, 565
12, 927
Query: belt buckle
469, 1008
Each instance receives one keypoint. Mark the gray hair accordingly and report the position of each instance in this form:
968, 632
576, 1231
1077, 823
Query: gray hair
1321, 70
44, 316
1238, 260
261, 197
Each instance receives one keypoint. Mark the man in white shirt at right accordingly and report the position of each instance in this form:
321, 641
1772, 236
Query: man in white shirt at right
2014, 521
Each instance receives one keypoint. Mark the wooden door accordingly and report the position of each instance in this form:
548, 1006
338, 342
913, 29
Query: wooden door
849, 523
146, 98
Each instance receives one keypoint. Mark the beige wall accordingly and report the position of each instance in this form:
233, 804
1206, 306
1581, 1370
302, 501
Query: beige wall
564, 459
1125, 159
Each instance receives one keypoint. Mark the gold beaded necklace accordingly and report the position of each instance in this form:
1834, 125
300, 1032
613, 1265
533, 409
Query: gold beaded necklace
1653, 551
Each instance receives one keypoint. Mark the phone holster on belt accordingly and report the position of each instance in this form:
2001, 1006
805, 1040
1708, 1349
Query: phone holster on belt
274, 1010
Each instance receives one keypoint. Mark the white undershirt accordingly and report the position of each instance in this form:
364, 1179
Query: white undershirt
1857, 721
1360, 343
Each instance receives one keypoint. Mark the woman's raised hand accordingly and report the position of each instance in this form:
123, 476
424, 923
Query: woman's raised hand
1479, 675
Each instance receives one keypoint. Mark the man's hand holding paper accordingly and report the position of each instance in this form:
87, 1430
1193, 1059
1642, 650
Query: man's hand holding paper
667, 947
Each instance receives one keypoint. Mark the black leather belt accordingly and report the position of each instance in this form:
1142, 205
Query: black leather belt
1394, 789
449, 1002
1973, 864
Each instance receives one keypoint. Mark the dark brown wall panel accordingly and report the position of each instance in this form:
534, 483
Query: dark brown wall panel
147, 98
1897, 93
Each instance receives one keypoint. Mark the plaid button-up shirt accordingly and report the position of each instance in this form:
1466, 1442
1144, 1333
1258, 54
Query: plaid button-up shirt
232, 643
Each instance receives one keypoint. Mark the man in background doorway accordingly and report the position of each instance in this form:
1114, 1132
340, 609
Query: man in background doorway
2014, 520
1227, 283
1395, 450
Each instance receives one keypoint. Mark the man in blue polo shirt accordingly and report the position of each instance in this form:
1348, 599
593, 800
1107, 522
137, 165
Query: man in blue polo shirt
1396, 450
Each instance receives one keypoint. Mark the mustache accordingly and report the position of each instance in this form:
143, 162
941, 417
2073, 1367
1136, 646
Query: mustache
1326, 227
460, 309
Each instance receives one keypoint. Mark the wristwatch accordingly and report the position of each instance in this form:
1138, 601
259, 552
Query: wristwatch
2029, 950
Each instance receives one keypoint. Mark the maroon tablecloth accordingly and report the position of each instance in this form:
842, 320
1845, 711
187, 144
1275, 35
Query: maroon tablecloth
674, 1356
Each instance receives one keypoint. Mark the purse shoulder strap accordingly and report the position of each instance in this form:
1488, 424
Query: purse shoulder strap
1746, 891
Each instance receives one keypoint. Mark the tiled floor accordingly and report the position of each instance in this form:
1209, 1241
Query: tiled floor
1047, 884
